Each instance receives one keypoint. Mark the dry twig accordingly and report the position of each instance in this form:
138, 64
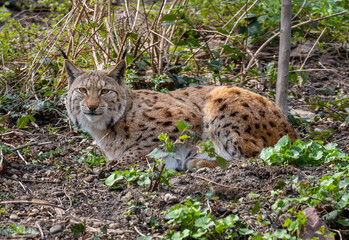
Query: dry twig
33, 201
293, 27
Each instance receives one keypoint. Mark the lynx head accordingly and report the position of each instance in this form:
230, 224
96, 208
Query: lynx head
96, 99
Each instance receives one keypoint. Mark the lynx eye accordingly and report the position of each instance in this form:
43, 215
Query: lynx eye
105, 91
83, 90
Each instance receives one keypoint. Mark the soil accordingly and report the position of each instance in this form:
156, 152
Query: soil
59, 191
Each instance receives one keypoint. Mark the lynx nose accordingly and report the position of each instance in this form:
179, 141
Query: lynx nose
92, 107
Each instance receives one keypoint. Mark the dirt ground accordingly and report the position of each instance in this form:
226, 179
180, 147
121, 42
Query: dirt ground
60, 192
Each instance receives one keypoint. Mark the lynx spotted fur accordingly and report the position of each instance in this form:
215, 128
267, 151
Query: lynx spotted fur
126, 123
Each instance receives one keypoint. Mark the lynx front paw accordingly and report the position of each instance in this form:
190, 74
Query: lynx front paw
200, 163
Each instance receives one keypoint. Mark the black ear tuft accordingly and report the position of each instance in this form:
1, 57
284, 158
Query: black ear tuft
63, 54
118, 71
124, 54
72, 70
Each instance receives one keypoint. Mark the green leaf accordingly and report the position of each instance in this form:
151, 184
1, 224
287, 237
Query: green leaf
280, 234
246, 231
266, 153
145, 238
303, 77
316, 154
45, 61
31, 118
330, 216
180, 235
344, 183
293, 226
77, 229
231, 219
129, 59
287, 222
169, 17
344, 200
22, 122
204, 223
285, 141
254, 195
344, 222
109, 181
181, 125
157, 154
173, 214
256, 207
222, 162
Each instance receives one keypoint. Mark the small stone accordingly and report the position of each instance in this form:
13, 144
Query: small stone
97, 224
25, 176
41, 223
114, 225
127, 197
14, 217
202, 170
89, 178
313, 225
50, 173
20, 214
33, 212
222, 210
169, 198
14, 176
56, 229
25, 197
58, 194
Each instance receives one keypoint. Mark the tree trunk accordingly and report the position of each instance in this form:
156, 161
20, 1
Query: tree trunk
284, 55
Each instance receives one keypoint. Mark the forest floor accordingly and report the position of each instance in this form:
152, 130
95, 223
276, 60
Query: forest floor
59, 191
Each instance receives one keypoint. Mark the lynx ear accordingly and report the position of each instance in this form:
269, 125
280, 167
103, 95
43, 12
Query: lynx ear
72, 70
117, 72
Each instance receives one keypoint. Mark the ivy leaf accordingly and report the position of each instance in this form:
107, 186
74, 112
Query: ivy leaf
285, 141
113, 178
181, 125
344, 200
344, 222
158, 154
266, 153
204, 223
256, 207
222, 162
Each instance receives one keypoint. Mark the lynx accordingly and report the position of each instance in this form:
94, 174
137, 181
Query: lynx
126, 123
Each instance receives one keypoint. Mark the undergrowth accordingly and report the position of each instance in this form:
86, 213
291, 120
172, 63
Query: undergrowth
178, 44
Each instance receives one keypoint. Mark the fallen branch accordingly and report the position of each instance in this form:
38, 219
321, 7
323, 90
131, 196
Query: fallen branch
20, 236
293, 27
34, 201
29, 144
227, 186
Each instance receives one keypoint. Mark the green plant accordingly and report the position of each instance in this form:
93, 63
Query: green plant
301, 153
337, 109
130, 176
15, 229
99, 235
330, 191
91, 159
78, 229
51, 155
190, 221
